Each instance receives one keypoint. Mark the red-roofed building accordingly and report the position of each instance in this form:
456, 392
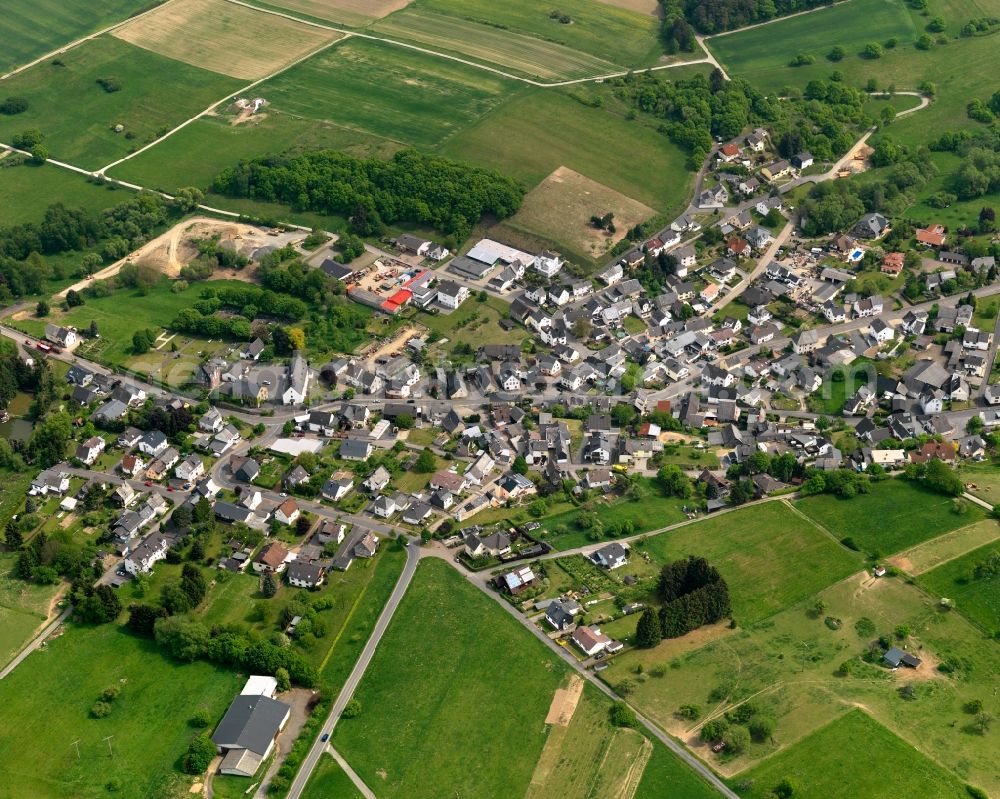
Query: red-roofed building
892, 264
738, 247
727, 152
931, 236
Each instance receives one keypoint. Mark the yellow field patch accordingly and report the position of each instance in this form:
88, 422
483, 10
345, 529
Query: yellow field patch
225, 38
638, 6
931, 554
561, 206
564, 702
346, 12
586, 756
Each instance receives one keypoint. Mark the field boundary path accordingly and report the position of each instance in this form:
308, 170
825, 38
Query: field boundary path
413, 556
36, 642
359, 783
78, 42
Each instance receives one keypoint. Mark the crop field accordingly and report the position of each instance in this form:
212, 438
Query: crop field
853, 756
27, 190
560, 208
896, 515
24, 607
789, 668
588, 757
607, 31
31, 28
979, 599
195, 155
770, 556
77, 115
436, 683
931, 554
354, 13
540, 130
502, 48
392, 93
225, 38
75, 669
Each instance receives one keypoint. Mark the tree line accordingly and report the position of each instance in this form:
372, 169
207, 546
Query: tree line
410, 188
712, 16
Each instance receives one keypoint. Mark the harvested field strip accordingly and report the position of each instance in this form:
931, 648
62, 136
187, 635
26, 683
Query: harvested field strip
947, 547
225, 38
515, 51
354, 13
564, 702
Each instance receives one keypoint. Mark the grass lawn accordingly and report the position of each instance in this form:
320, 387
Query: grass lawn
23, 608
32, 28
601, 29
983, 479
26, 191
896, 514
770, 556
539, 130
931, 554
977, 599
155, 309
356, 624
329, 780
840, 383
960, 212
651, 512
198, 153
511, 51
437, 683
851, 757
387, 91
76, 668
473, 324
77, 116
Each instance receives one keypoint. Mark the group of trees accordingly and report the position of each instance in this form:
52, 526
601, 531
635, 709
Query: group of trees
692, 593
410, 187
712, 16
937, 476
234, 646
112, 233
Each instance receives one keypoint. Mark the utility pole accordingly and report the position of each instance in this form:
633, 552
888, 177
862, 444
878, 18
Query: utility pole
108, 742
76, 743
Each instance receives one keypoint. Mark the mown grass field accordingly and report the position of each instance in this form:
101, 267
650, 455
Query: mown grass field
437, 682
977, 599
770, 557
506, 49
387, 91
77, 116
217, 36
539, 130
931, 554
196, 155
27, 190
566, 201
854, 756
46, 708
23, 608
788, 668
31, 28
329, 780
897, 514
606, 31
